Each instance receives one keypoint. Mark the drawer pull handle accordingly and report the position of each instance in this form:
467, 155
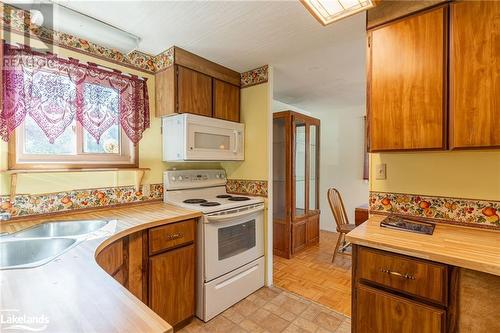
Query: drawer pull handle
404, 276
177, 235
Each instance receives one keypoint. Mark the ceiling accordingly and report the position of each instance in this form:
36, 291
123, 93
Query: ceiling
314, 66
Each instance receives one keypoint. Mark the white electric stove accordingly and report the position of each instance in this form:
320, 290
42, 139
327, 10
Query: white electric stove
230, 242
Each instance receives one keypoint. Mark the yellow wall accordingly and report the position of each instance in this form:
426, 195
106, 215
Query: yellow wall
150, 153
255, 104
461, 174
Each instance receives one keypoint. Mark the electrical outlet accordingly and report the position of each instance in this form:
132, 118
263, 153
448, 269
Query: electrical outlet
380, 171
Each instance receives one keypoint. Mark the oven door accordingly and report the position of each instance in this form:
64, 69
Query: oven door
233, 239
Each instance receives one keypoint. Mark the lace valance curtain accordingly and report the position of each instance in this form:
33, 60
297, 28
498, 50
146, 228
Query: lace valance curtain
56, 91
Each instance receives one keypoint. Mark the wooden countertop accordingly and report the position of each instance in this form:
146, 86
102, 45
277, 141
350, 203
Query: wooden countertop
471, 248
72, 291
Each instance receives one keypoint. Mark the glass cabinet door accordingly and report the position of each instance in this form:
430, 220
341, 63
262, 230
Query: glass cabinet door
300, 168
280, 129
313, 167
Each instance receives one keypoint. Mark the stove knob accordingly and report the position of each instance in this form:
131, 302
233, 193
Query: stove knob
217, 176
180, 178
173, 179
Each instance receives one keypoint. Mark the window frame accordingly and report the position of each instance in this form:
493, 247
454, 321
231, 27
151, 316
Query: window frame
18, 160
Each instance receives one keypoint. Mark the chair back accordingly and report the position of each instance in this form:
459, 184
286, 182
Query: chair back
337, 207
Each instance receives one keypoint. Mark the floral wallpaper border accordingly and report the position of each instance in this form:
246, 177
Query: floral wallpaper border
255, 76
470, 212
247, 187
164, 59
26, 204
18, 21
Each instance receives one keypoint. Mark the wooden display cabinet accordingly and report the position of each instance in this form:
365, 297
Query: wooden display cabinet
295, 182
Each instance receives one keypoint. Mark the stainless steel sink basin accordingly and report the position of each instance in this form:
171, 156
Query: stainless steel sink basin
61, 229
27, 253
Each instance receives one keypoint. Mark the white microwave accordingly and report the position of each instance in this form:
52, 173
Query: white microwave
189, 137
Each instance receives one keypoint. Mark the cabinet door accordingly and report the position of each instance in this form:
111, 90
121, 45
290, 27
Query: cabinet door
475, 74
194, 92
226, 101
406, 96
381, 312
312, 229
172, 284
299, 235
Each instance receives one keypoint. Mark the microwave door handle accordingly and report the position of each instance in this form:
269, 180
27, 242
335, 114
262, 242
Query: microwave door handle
231, 217
236, 142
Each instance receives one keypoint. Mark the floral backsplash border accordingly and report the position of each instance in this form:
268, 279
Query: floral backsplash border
470, 212
254, 76
18, 21
247, 187
26, 204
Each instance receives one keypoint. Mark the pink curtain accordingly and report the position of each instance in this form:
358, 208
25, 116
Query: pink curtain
56, 91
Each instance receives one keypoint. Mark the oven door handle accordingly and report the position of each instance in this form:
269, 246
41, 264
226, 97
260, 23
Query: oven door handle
231, 217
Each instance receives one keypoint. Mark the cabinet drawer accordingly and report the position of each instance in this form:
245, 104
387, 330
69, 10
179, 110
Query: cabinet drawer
412, 276
381, 312
171, 235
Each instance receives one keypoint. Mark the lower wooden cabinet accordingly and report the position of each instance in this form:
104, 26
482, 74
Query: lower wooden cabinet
172, 284
158, 266
397, 293
379, 311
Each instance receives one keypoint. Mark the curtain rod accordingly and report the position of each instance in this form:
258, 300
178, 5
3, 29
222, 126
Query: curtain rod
67, 58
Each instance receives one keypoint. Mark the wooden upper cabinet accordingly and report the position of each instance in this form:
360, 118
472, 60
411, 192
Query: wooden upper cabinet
194, 93
226, 101
475, 74
196, 85
407, 84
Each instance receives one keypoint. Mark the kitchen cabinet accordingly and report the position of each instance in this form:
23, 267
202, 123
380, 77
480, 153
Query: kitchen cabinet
393, 292
172, 284
195, 85
394, 314
157, 265
474, 74
296, 182
226, 101
112, 260
407, 84
194, 92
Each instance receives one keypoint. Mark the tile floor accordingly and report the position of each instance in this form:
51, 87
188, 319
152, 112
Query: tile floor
272, 310
312, 275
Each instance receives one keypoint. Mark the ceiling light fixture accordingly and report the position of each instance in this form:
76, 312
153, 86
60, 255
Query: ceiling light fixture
53, 15
329, 11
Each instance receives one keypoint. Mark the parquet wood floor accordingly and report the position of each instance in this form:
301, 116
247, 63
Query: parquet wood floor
312, 275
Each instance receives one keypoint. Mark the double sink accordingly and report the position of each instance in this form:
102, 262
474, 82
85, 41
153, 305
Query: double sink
42, 243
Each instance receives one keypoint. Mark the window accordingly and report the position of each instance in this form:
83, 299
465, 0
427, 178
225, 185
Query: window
64, 114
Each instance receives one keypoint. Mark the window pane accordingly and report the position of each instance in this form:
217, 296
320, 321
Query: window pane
109, 143
101, 109
36, 142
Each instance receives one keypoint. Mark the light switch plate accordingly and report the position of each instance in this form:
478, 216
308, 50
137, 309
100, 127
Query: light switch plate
380, 171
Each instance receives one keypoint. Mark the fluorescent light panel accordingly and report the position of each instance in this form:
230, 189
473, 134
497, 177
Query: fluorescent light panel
328, 11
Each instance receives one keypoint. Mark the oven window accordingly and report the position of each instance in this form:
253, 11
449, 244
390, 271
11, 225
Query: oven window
236, 239
211, 141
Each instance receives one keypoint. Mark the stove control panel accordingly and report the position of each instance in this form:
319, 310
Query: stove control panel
184, 179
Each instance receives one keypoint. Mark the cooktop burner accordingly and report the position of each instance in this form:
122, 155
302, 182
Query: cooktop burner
224, 196
195, 201
210, 204
396, 222
238, 199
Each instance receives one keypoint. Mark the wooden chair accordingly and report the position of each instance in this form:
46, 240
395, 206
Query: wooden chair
340, 216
